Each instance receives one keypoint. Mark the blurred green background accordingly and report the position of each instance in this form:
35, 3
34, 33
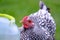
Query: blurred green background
21, 8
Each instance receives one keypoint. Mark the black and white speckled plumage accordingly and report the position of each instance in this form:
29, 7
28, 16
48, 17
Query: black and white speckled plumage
44, 19
35, 33
43, 30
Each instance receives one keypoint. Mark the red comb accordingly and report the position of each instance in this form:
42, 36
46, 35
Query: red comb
25, 18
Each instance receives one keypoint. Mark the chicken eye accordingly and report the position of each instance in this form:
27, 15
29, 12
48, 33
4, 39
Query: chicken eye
29, 21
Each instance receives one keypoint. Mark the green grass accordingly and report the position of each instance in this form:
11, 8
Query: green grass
20, 8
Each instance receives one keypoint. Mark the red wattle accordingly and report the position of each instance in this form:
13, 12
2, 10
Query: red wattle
25, 26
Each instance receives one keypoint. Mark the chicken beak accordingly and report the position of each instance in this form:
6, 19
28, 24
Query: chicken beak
21, 21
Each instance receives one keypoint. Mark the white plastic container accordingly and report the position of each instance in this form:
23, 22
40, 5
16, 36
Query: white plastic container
8, 28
